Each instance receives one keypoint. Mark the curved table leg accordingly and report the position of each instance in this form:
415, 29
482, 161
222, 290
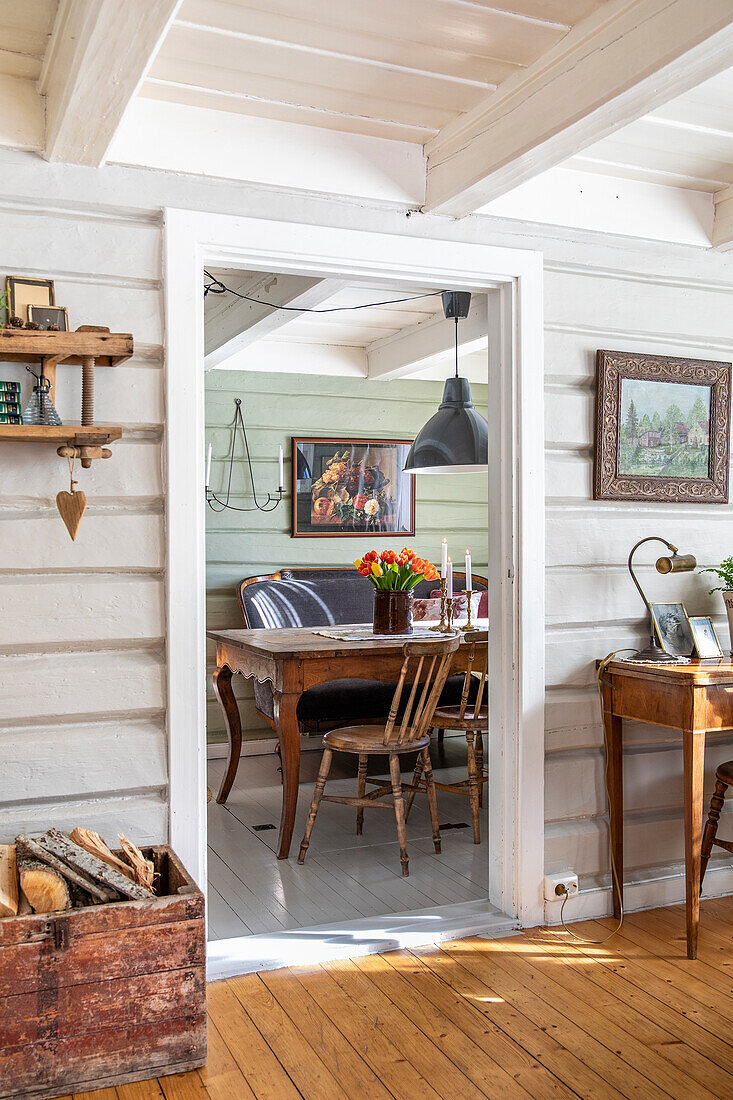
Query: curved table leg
225, 695
288, 732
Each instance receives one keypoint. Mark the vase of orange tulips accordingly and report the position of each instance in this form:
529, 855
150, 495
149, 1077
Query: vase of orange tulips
394, 576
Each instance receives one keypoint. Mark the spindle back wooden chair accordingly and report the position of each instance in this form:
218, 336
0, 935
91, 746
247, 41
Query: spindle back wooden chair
471, 716
424, 671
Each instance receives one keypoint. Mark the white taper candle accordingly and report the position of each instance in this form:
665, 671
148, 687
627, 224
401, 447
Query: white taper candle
208, 467
280, 484
444, 559
449, 578
468, 570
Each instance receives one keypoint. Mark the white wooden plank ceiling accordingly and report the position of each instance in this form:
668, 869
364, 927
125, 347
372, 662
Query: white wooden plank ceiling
26, 29
357, 336
398, 69
686, 143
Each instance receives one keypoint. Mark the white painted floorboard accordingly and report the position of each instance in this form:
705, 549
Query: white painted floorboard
344, 877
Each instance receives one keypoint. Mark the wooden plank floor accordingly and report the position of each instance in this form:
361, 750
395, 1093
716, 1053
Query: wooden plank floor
525, 1017
345, 877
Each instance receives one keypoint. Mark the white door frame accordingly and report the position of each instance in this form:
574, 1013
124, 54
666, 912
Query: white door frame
193, 240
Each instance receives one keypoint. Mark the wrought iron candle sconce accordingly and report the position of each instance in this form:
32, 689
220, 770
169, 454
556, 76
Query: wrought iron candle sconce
268, 505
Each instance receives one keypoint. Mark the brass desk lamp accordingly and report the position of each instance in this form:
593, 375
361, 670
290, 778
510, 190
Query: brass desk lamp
678, 563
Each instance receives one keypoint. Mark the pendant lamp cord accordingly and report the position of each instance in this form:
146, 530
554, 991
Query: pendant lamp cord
456, 347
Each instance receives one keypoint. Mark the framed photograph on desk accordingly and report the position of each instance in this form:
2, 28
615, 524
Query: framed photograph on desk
705, 637
673, 629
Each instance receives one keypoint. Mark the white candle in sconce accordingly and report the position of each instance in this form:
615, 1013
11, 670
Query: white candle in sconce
444, 560
281, 483
208, 467
468, 571
449, 578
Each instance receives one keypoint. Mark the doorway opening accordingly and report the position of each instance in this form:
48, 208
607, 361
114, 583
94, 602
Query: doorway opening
350, 896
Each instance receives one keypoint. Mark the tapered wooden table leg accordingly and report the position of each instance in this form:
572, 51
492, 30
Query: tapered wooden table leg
288, 732
223, 691
613, 729
693, 747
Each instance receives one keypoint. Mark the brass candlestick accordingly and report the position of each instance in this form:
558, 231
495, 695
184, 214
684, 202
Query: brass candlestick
445, 626
468, 592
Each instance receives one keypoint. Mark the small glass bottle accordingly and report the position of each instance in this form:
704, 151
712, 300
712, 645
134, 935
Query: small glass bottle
40, 408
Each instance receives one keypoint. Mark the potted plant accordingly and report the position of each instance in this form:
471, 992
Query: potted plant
394, 576
725, 572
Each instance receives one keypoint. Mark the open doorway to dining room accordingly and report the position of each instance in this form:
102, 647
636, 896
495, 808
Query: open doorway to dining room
364, 379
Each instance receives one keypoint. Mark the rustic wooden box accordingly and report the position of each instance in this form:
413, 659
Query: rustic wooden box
104, 995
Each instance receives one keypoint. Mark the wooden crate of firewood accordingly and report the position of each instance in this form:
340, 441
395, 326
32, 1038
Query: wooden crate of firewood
108, 988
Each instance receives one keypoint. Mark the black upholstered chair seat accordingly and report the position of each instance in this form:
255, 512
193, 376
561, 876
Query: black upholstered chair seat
323, 598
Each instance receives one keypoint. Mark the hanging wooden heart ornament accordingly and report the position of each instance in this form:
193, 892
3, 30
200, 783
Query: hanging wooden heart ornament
71, 505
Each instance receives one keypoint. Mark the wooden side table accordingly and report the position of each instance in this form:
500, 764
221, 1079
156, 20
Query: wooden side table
693, 698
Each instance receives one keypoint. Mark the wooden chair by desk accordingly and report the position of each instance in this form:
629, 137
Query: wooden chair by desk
694, 698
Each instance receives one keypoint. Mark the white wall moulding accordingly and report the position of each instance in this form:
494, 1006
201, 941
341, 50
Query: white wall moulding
303, 158
630, 208
723, 223
98, 56
516, 540
624, 60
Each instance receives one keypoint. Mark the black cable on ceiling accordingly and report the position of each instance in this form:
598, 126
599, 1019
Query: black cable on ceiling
216, 286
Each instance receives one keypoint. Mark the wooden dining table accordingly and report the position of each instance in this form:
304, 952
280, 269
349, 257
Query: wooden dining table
293, 661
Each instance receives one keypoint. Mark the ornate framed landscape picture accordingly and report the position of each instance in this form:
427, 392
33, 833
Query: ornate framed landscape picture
662, 428
352, 487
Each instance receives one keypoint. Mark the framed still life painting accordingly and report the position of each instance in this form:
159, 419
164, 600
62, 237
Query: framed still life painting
662, 428
351, 487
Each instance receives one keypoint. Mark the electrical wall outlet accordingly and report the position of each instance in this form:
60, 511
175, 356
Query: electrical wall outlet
568, 879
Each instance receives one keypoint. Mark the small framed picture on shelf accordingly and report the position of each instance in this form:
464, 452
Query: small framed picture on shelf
705, 637
22, 293
673, 629
49, 318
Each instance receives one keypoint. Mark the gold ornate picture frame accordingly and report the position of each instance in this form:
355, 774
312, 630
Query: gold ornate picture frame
662, 428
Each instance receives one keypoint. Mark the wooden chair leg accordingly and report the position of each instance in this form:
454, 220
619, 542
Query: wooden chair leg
711, 825
399, 809
473, 788
361, 791
317, 794
480, 767
432, 800
416, 777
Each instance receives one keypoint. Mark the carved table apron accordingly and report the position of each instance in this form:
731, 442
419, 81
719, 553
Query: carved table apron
294, 661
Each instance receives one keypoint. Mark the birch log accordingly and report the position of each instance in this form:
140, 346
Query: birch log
60, 845
8, 881
46, 890
39, 852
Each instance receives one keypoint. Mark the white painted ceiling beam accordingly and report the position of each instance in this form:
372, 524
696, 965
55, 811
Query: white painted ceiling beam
723, 221
421, 346
242, 322
99, 54
624, 60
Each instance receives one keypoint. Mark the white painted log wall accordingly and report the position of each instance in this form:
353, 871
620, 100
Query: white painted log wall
82, 652
97, 232
592, 607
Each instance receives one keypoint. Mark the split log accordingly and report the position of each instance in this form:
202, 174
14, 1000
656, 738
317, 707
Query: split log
62, 846
46, 890
24, 906
39, 851
94, 844
143, 869
8, 881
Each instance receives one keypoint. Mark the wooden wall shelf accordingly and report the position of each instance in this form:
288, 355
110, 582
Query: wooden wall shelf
108, 349
96, 435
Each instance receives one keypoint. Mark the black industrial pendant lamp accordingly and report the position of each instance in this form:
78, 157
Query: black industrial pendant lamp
456, 438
